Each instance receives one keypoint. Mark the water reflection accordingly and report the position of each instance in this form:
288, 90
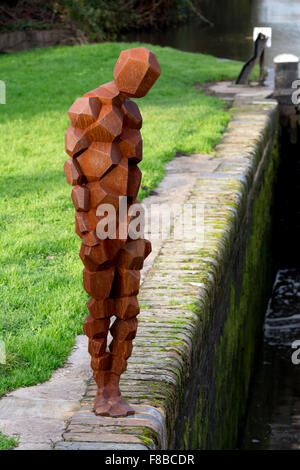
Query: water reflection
233, 22
284, 18
273, 420
277, 11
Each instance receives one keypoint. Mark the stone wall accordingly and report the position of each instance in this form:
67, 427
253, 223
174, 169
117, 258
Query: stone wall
22, 40
202, 306
230, 315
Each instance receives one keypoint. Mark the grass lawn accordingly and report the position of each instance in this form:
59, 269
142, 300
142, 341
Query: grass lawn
43, 303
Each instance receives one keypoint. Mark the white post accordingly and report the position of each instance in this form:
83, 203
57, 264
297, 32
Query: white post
286, 70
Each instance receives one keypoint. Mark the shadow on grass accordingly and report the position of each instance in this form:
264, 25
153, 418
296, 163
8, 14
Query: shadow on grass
19, 185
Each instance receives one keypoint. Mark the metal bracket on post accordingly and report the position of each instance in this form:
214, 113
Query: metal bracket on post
259, 52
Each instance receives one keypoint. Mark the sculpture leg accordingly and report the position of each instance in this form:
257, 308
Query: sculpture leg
122, 302
97, 330
106, 369
108, 400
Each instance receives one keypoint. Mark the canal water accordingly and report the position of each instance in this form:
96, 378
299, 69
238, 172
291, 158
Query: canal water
233, 22
273, 415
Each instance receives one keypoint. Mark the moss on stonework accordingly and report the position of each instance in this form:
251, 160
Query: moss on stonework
7, 442
174, 302
149, 437
221, 403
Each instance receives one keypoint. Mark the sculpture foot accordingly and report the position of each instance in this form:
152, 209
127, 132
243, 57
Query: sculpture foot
114, 407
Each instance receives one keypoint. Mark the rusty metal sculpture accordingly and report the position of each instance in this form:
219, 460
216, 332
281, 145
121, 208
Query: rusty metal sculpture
105, 145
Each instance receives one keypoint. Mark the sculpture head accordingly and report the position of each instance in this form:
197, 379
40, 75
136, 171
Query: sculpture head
136, 71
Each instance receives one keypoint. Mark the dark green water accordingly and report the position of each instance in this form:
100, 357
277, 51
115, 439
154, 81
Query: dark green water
233, 22
273, 418
273, 415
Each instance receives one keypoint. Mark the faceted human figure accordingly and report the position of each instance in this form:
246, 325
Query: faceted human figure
105, 145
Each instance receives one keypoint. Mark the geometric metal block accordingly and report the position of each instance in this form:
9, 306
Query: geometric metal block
98, 284
81, 198
84, 111
132, 115
146, 71
73, 172
131, 145
98, 159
